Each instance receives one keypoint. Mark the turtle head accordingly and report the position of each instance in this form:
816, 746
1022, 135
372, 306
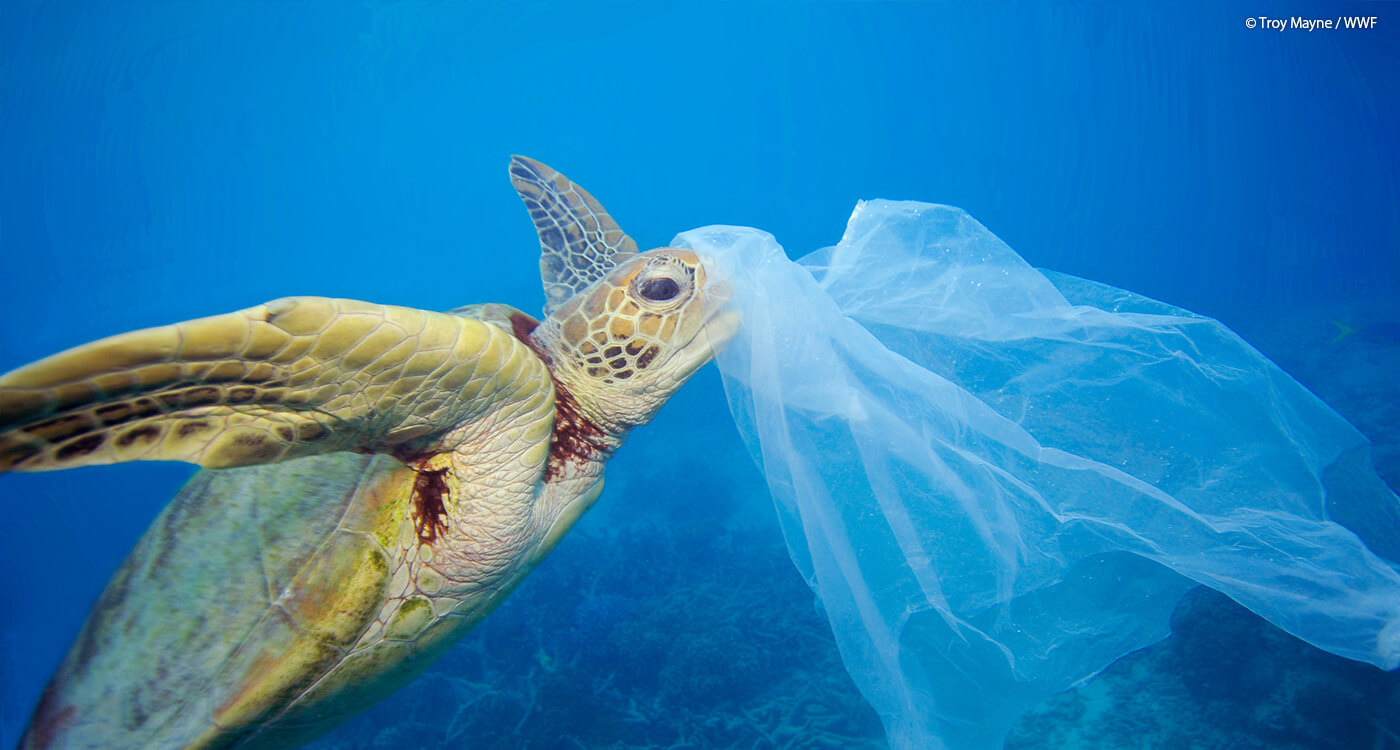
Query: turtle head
622, 330
626, 343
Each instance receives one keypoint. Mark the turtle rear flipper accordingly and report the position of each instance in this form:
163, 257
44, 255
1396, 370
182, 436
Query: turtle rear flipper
295, 377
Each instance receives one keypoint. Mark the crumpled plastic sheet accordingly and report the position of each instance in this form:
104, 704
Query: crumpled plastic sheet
999, 480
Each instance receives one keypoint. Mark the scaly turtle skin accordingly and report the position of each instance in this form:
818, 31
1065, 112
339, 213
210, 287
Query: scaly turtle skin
438, 457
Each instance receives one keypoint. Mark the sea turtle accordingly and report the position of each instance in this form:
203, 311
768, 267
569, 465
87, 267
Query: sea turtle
438, 458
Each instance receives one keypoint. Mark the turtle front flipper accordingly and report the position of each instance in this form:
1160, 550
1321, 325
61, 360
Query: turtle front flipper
295, 377
579, 241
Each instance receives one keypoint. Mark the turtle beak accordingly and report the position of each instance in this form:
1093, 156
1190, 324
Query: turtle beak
720, 325
716, 329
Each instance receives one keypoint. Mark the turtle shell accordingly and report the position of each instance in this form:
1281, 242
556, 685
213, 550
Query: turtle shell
262, 606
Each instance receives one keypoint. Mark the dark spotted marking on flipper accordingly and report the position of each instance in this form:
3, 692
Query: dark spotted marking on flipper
323, 376
206, 395
118, 413
60, 428
309, 431
144, 408
257, 447
147, 433
190, 428
81, 447
21, 453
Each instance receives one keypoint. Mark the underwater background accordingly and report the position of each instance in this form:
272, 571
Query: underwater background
162, 161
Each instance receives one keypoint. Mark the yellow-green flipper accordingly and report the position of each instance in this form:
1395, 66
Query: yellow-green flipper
291, 378
401, 472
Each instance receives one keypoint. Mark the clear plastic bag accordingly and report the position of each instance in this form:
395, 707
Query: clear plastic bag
999, 481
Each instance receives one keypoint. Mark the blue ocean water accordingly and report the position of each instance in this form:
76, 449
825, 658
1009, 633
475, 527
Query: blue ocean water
164, 161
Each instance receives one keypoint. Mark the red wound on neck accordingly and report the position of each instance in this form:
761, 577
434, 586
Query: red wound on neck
576, 437
523, 325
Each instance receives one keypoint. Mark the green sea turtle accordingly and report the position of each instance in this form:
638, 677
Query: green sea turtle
438, 458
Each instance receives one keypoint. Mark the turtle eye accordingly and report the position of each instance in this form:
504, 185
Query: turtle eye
662, 284
660, 289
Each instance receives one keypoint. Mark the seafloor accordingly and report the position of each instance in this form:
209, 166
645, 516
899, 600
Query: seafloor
674, 619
